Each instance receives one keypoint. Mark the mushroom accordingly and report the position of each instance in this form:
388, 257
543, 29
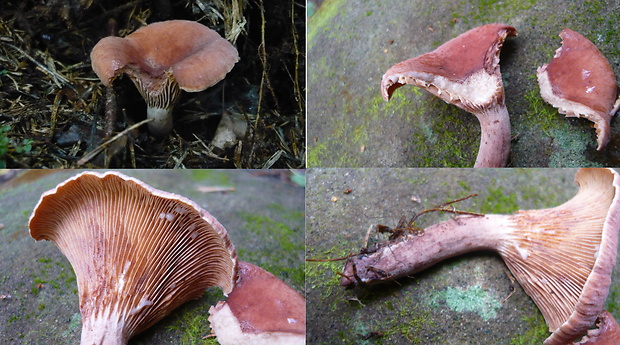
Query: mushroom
606, 333
465, 72
137, 252
562, 256
163, 58
580, 82
260, 310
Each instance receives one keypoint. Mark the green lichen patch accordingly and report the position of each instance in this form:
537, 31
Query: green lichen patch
216, 178
74, 325
473, 299
280, 250
323, 20
490, 11
612, 304
403, 322
496, 200
316, 154
322, 276
536, 332
409, 324
194, 327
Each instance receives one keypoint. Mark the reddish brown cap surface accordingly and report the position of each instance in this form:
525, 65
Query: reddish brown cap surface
198, 56
580, 82
261, 309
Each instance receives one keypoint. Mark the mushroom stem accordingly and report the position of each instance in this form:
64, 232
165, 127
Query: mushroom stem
494, 137
413, 253
162, 120
102, 331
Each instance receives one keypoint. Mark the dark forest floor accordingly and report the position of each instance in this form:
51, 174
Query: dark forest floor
52, 103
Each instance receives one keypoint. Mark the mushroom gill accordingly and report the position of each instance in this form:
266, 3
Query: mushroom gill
137, 252
561, 256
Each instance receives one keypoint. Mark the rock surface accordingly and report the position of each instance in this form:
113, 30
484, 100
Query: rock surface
351, 43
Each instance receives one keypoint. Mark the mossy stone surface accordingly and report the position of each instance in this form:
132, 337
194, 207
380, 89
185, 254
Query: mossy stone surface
351, 43
453, 302
264, 217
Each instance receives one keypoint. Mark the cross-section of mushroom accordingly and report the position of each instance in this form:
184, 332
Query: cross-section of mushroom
163, 58
465, 72
580, 82
562, 256
261, 310
137, 252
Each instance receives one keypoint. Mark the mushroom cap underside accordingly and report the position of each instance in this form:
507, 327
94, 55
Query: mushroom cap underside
458, 69
261, 309
137, 252
579, 82
563, 256
197, 56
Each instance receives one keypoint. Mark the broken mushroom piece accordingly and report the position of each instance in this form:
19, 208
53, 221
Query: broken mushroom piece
137, 252
562, 256
163, 58
465, 72
580, 82
261, 310
607, 332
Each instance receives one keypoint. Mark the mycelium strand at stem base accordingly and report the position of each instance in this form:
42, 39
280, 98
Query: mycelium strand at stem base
561, 256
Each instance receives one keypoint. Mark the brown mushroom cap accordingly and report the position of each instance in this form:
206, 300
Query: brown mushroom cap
137, 252
162, 57
465, 72
261, 309
580, 82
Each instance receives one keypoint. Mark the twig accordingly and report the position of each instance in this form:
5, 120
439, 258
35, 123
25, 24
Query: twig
100, 148
298, 93
512, 285
336, 259
110, 111
368, 232
444, 208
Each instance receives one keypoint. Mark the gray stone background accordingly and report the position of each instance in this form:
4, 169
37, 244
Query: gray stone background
351, 43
